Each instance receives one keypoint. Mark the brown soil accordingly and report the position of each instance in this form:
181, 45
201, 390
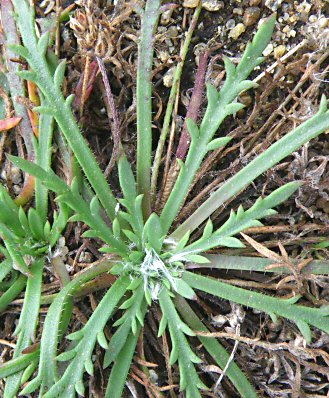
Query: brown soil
272, 354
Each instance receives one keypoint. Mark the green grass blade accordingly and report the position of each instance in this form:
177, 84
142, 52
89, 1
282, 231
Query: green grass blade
273, 155
5, 267
17, 364
10, 295
28, 322
131, 201
128, 322
73, 199
216, 350
220, 105
144, 101
72, 379
241, 220
15, 254
258, 264
171, 102
48, 178
127, 179
181, 350
9, 213
47, 374
301, 315
121, 367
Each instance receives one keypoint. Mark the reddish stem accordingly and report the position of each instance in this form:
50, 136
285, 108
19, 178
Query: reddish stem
194, 105
93, 69
114, 114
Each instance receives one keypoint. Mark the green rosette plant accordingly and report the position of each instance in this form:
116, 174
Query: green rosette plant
148, 256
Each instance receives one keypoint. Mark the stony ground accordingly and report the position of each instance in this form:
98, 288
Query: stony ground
291, 81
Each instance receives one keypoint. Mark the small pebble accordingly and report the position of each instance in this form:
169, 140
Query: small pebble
313, 18
285, 16
166, 17
254, 2
238, 11
260, 22
198, 50
190, 3
230, 24
268, 50
219, 320
172, 32
212, 5
163, 56
300, 342
279, 51
17, 189
242, 47
304, 7
168, 78
153, 376
251, 16
273, 4
3, 174
237, 31
289, 32
323, 22
293, 33
293, 19
171, 49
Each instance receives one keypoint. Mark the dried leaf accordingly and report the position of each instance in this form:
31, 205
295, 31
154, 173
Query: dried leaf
9, 123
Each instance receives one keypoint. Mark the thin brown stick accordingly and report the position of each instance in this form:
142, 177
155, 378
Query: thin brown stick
7, 343
290, 347
58, 31
113, 114
230, 359
166, 354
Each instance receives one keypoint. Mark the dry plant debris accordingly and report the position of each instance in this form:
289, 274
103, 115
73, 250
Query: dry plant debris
272, 353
